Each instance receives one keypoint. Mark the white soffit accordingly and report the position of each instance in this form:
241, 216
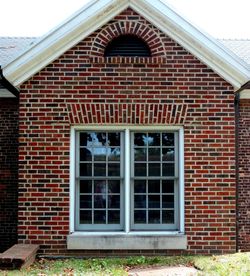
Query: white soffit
245, 94
5, 93
98, 12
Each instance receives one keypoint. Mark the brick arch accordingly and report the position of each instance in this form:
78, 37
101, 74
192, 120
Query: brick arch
113, 30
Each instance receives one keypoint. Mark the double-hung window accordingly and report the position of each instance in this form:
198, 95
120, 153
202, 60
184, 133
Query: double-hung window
127, 180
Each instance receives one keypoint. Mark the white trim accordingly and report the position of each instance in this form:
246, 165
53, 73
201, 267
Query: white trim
72, 181
127, 130
245, 94
181, 181
5, 93
127, 181
99, 12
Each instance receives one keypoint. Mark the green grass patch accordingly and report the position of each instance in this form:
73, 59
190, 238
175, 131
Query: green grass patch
224, 265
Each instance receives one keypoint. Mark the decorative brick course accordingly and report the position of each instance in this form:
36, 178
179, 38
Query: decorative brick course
79, 89
8, 172
244, 173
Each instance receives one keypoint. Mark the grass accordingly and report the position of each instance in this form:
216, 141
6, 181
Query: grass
225, 265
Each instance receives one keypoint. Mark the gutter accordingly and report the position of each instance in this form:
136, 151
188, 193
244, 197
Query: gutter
5, 83
237, 169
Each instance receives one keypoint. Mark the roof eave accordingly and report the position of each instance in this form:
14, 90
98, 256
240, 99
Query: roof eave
99, 12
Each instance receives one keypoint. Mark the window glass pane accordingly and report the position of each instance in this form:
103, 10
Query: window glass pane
114, 154
113, 217
153, 201
140, 139
168, 216
85, 217
168, 186
99, 154
99, 139
99, 217
140, 154
140, 169
85, 154
154, 169
114, 201
100, 187
168, 201
140, 186
85, 169
154, 186
114, 169
168, 139
154, 154
86, 201
113, 186
154, 139
100, 169
100, 201
113, 139
154, 216
84, 139
85, 186
140, 216
140, 201
167, 154
168, 169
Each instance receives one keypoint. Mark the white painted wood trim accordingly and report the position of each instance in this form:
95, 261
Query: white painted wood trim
98, 12
181, 181
245, 94
127, 180
72, 180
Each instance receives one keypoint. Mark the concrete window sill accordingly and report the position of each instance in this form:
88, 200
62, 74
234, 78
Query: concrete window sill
78, 241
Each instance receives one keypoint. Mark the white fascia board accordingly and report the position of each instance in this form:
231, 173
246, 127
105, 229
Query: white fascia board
245, 94
201, 45
51, 46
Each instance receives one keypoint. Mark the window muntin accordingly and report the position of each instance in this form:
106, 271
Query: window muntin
154, 190
99, 181
154, 180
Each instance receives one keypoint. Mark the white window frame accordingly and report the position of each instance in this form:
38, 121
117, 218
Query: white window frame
127, 193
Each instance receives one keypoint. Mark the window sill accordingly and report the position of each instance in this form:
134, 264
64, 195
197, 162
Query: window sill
124, 241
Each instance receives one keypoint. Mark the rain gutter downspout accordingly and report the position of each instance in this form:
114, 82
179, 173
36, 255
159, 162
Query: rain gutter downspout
5, 83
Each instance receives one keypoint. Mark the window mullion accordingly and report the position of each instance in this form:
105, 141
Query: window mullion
127, 180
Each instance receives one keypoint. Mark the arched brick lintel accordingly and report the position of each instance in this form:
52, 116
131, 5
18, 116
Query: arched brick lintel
113, 30
124, 113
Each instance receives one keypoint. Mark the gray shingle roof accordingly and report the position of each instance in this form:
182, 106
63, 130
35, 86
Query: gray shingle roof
12, 47
241, 47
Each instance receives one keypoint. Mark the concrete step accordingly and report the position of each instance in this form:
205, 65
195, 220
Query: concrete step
18, 256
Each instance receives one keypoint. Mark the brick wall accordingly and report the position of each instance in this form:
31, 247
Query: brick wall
81, 84
8, 172
244, 173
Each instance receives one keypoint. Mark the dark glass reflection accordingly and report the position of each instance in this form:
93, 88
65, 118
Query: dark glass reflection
154, 216
140, 216
85, 201
140, 139
100, 217
114, 154
168, 186
168, 139
100, 201
85, 217
153, 201
154, 169
154, 139
85, 169
154, 154
114, 169
100, 187
167, 154
140, 186
99, 169
168, 201
168, 169
114, 186
99, 154
140, 154
85, 154
114, 201
168, 216
154, 186
113, 217
114, 139
140, 201
140, 169
85, 186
